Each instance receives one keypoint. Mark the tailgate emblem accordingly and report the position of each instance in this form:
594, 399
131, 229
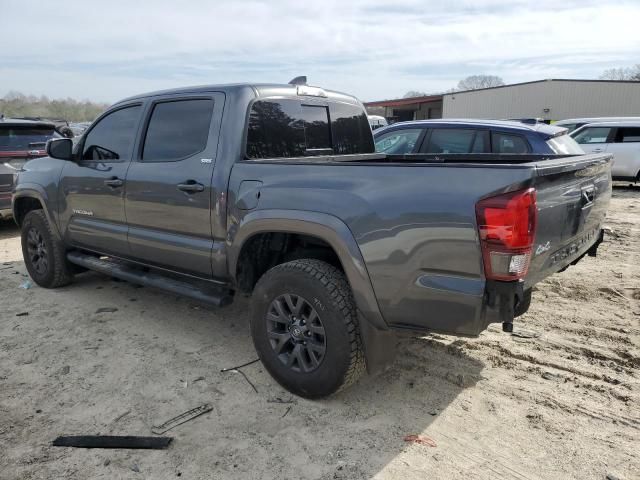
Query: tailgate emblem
543, 248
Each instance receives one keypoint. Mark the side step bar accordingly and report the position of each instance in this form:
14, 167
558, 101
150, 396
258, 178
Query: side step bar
198, 289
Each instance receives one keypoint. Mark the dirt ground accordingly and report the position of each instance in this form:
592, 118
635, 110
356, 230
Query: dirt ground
561, 404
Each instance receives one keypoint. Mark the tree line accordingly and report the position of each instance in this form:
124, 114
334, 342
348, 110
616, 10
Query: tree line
475, 82
15, 104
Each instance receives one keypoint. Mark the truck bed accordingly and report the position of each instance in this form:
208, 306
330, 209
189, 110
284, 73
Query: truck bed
414, 219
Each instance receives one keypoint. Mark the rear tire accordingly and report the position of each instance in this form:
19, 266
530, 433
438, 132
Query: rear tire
44, 255
305, 330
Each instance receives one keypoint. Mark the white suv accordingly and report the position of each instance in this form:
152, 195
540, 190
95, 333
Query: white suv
622, 139
575, 123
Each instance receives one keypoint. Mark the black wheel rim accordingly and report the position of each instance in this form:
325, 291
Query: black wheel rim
37, 250
296, 333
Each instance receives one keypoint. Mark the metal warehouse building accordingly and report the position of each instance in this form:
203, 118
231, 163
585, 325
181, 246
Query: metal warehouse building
553, 99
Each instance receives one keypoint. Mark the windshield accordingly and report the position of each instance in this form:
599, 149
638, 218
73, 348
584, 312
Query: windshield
564, 144
18, 137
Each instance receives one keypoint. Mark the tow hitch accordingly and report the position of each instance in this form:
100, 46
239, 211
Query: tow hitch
506, 296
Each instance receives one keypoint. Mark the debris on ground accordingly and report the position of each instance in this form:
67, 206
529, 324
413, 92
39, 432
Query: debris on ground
22, 314
237, 370
421, 439
240, 366
26, 285
111, 441
182, 418
121, 416
106, 310
523, 333
280, 400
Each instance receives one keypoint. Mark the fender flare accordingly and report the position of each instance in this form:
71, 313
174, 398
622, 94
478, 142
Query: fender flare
37, 192
324, 226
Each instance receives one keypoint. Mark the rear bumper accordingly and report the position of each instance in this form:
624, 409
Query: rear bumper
506, 300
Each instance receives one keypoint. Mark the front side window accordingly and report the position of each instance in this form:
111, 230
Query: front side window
398, 142
628, 135
592, 135
450, 140
510, 144
177, 130
112, 137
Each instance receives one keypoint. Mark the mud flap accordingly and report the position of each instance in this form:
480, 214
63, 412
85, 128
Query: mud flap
379, 346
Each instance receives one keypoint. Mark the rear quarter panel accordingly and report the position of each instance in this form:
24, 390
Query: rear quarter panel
414, 224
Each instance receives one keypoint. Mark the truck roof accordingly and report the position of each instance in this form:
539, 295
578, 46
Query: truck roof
259, 89
542, 128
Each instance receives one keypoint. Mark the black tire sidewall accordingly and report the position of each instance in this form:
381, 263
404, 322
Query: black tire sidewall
329, 376
35, 220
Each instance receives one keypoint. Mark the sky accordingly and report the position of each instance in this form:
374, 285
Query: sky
110, 49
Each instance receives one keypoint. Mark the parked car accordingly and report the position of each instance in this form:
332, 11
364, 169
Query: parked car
474, 136
376, 121
572, 124
20, 141
275, 191
622, 139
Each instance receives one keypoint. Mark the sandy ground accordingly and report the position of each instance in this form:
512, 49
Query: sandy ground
560, 405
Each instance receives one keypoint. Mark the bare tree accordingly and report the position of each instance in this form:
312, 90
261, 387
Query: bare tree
414, 93
628, 73
475, 82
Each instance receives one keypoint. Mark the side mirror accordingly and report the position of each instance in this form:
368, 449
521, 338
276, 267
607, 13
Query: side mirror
60, 148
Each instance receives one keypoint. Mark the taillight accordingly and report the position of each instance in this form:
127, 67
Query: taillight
507, 228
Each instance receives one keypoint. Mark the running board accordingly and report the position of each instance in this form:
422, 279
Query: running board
197, 289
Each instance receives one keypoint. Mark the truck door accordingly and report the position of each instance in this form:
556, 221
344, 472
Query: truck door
92, 187
626, 152
168, 199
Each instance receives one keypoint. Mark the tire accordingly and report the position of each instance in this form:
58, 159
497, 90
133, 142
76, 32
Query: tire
38, 242
312, 356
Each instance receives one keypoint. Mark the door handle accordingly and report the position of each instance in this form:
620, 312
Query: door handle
191, 186
114, 182
597, 150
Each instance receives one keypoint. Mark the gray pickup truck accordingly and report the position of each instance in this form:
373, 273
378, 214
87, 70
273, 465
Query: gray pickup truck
275, 191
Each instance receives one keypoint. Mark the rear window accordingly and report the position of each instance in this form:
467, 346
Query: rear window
564, 144
290, 128
25, 137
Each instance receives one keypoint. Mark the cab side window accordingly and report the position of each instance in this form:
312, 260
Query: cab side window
112, 138
506, 143
398, 142
177, 129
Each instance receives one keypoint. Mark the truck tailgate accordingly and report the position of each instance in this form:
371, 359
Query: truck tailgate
572, 197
